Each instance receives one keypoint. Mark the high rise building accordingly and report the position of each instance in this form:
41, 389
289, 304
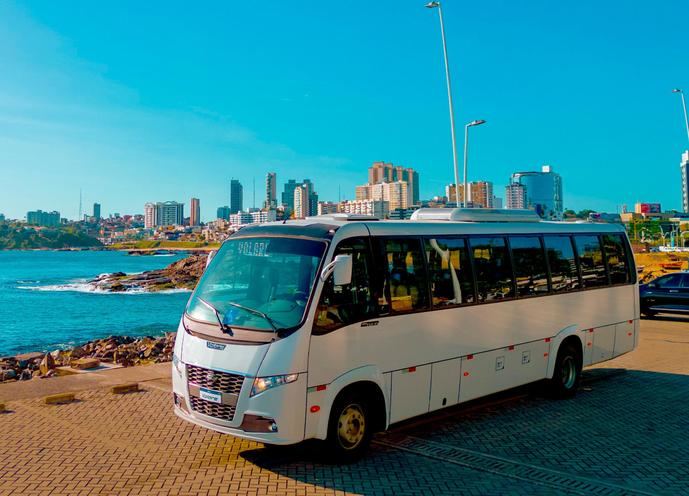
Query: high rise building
195, 214
288, 196
236, 196
150, 215
96, 211
381, 172
263, 216
481, 194
543, 191
223, 213
515, 195
450, 193
684, 167
497, 202
271, 191
44, 219
169, 213
301, 202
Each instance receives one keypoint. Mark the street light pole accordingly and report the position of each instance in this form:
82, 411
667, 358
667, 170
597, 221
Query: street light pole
433, 5
684, 107
466, 157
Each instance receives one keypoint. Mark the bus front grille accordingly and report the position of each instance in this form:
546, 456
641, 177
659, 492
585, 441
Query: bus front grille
215, 380
204, 407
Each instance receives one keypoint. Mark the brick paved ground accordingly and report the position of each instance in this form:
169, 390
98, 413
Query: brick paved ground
627, 432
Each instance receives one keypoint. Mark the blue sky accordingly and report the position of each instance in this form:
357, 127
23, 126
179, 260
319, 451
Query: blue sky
152, 101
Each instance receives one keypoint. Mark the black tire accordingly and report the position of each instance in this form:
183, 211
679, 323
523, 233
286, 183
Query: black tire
567, 373
349, 429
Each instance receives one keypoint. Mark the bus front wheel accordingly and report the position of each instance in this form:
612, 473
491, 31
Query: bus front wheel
349, 428
567, 373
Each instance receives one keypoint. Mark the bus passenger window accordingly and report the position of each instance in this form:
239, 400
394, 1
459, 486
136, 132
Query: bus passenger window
563, 264
616, 257
591, 261
449, 271
529, 265
406, 277
492, 266
355, 302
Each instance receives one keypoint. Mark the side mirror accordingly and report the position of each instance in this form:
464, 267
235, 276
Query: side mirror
211, 255
341, 268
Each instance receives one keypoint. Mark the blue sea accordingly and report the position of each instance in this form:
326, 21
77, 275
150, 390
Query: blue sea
46, 304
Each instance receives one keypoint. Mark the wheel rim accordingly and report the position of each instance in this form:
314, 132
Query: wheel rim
351, 426
568, 372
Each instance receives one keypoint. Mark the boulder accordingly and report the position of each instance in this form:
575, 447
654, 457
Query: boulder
47, 364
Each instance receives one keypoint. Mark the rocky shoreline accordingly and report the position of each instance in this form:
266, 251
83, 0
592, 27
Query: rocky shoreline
182, 274
125, 351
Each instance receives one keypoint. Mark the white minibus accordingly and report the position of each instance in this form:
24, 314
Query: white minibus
335, 327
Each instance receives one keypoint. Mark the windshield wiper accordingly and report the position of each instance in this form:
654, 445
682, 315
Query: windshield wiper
223, 327
276, 330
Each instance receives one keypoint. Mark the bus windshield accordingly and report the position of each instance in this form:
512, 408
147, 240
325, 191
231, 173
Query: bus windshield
258, 283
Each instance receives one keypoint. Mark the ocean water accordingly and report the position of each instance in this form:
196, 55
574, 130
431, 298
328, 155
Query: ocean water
45, 303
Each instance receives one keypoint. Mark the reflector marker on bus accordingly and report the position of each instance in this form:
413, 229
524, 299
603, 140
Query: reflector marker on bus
510, 348
590, 330
545, 354
466, 374
547, 340
410, 369
315, 408
589, 344
631, 321
313, 389
470, 357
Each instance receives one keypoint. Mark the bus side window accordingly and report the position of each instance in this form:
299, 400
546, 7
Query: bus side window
355, 302
530, 269
492, 267
616, 258
449, 271
563, 264
406, 275
593, 272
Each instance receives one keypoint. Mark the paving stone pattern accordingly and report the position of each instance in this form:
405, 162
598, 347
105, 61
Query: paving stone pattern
627, 432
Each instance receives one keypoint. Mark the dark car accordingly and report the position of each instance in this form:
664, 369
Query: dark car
667, 294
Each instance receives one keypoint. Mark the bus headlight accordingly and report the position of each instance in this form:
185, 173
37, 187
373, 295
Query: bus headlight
263, 383
178, 365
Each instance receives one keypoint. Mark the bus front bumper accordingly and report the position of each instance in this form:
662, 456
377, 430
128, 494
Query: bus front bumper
271, 417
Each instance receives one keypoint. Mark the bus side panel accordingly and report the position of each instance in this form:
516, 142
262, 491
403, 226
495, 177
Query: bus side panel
603, 343
410, 392
624, 337
445, 383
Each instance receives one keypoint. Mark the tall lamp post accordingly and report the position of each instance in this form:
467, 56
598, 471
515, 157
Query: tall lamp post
466, 156
433, 5
684, 106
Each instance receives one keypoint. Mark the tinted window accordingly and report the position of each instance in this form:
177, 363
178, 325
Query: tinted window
591, 261
354, 302
530, 270
406, 276
492, 266
563, 264
616, 257
449, 271
669, 281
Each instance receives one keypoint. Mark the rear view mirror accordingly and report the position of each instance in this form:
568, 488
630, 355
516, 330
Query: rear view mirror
341, 268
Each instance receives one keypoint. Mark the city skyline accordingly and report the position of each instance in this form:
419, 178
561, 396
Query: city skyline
594, 101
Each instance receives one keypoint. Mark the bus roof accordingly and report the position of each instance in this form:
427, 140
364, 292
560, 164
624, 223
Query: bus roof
325, 227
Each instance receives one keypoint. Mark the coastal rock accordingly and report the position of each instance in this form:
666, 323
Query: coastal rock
47, 364
182, 274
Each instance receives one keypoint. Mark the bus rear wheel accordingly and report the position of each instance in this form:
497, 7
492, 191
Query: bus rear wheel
567, 373
349, 429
